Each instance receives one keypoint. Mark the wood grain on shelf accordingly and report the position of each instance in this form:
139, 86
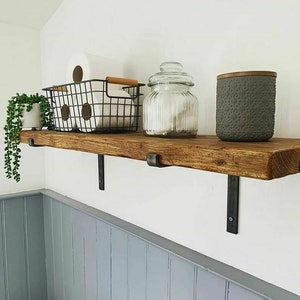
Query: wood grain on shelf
276, 158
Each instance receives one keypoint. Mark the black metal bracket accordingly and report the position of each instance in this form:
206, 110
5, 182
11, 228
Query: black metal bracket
32, 144
153, 160
101, 171
232, 194
233, 203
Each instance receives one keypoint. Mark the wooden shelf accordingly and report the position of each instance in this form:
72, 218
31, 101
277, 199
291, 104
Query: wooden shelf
262, 160
266, 160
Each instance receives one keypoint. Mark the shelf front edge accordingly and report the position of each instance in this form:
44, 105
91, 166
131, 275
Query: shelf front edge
261, 161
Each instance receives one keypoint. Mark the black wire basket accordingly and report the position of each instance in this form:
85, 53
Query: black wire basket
96, 105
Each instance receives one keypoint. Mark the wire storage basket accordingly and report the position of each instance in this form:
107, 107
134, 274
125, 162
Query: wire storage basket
96, 105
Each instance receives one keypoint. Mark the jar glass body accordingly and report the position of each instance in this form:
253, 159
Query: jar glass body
170, 110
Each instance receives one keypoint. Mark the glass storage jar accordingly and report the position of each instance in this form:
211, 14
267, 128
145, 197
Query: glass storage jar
170, 109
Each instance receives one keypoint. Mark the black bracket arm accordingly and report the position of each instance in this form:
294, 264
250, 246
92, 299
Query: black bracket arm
233, 203
32, 144
232, 194
153, 160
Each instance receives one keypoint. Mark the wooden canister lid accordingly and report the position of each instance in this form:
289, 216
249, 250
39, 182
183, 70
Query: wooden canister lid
247, 73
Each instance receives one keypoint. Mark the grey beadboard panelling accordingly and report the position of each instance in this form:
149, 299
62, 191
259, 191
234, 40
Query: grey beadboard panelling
35, 245
137, 268
110, 263
89, 255
158, 274
238, 293
182, 279
3, 273
49, 247
15, 249
67, 248
58, 266
216, 267
22, 254
210, 285
104, 261
78, 256
119, 264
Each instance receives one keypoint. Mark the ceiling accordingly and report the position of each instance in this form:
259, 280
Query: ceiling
28, 13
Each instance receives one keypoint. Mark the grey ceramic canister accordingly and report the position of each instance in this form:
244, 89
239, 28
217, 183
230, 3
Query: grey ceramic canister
245, 108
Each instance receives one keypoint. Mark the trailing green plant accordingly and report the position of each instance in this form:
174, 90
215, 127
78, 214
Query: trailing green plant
13, 126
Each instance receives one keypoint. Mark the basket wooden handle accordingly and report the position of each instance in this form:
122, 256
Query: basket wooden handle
123, 81
61, 88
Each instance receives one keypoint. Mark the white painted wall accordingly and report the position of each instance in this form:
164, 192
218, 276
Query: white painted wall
188, 206
20, 72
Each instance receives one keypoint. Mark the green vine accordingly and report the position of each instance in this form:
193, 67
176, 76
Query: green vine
13, 126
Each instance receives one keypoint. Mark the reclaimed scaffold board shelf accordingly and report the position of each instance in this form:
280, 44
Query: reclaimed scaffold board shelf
276, 158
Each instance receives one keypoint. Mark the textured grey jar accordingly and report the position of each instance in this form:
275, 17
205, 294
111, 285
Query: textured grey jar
246, 106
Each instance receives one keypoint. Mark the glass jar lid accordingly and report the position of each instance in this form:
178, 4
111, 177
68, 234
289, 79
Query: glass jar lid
171, 72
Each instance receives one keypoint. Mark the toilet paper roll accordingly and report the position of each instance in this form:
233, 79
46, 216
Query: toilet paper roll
83, 66
63, 115
101, 112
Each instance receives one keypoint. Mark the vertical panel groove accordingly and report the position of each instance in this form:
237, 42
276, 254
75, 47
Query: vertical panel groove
2, 282
195, 282
73, 254
4, 251
110, 262
97, 259
52, 238
104, 260
26, 248
146, 284
169, 276
84, 266
227, 290
127, 267
62, 252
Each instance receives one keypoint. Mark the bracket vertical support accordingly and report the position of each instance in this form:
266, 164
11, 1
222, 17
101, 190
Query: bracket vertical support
233, 203
153, 160
101, 171
32, 144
